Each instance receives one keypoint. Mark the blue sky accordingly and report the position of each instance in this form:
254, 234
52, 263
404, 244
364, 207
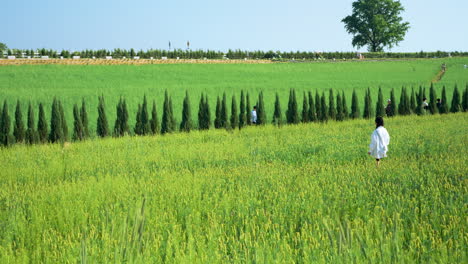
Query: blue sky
306, 25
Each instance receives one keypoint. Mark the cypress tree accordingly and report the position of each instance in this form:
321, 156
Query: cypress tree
393, 105
312, 114
186, 124
339, 108
465, 99
138, 124
261, 111
277, 117
345, 106
102, 128
5, 138
242, 115
224, 114
145, 122
412, 102
432, 100
305, 109
77, 126
331, 106
207, 111
323, 110
379, 107
248, 113
124, 128
355, 113
63, 122
31, 135
154, 122
217, 121
419, 100
234, 116
403, 103
171, 115
56, 128
84, 119
18, 130
118, 120
201, 113
455, 107
444, 107
318, 108
166, 126
368, 111
292, 114
42, 129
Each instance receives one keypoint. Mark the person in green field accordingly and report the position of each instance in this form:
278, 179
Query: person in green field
379, 141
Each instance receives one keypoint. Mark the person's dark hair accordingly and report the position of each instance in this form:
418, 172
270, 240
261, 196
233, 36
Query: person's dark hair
379, 121
424, 99
255, 107
438, 99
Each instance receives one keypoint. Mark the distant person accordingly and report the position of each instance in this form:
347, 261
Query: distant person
379, 141
388, 108
425, 105
444, 67
465, 66
439, 104
253, 119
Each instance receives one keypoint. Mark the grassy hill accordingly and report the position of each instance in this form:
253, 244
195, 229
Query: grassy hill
305, 193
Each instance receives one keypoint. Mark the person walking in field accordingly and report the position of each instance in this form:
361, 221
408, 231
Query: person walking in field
253, 119
379, 141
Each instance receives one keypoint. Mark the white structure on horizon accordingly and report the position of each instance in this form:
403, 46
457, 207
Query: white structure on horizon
76, 57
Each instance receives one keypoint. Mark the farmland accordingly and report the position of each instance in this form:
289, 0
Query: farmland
303, 193
71, 83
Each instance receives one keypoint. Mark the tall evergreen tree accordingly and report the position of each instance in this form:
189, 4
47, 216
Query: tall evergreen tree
186, 125
248, 113
393, 105
345, 106
432, 100
84, 119
419, 100
118, 120
145, 124
18, 130
277, 116
261, 111
77, 125
355, 113
63, 122
201, 113
444, 107
5, 137
339, 108
217, 121
42, 129
224, 113
412, 102
368, 111
124, 128
331, 106
292, 114
102, 127
234, 115
465, 99
318, 107
305, 109
242, 115
154, 122
171, 115
323, 110
138, 124
455, 107
403, 106
31, 135
56, 128
207, 113
380, 107
312, 114
166, 126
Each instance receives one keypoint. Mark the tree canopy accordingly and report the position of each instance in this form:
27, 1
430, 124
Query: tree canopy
376, 23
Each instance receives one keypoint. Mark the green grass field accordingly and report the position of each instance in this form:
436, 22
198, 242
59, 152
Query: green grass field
40, 83
304, 194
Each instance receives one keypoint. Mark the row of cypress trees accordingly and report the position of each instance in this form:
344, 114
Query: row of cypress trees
314, 109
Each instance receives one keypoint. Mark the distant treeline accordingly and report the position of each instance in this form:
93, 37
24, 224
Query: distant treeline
230, 54
315, 108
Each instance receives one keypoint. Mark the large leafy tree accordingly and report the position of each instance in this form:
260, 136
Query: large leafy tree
376, 24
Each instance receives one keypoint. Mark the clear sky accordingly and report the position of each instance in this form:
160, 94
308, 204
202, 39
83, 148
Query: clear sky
287, 25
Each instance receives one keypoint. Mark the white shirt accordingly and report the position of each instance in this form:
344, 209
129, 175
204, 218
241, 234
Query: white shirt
254, 116
379, 143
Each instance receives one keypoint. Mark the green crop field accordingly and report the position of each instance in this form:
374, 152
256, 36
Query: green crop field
71, 83
304, 193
